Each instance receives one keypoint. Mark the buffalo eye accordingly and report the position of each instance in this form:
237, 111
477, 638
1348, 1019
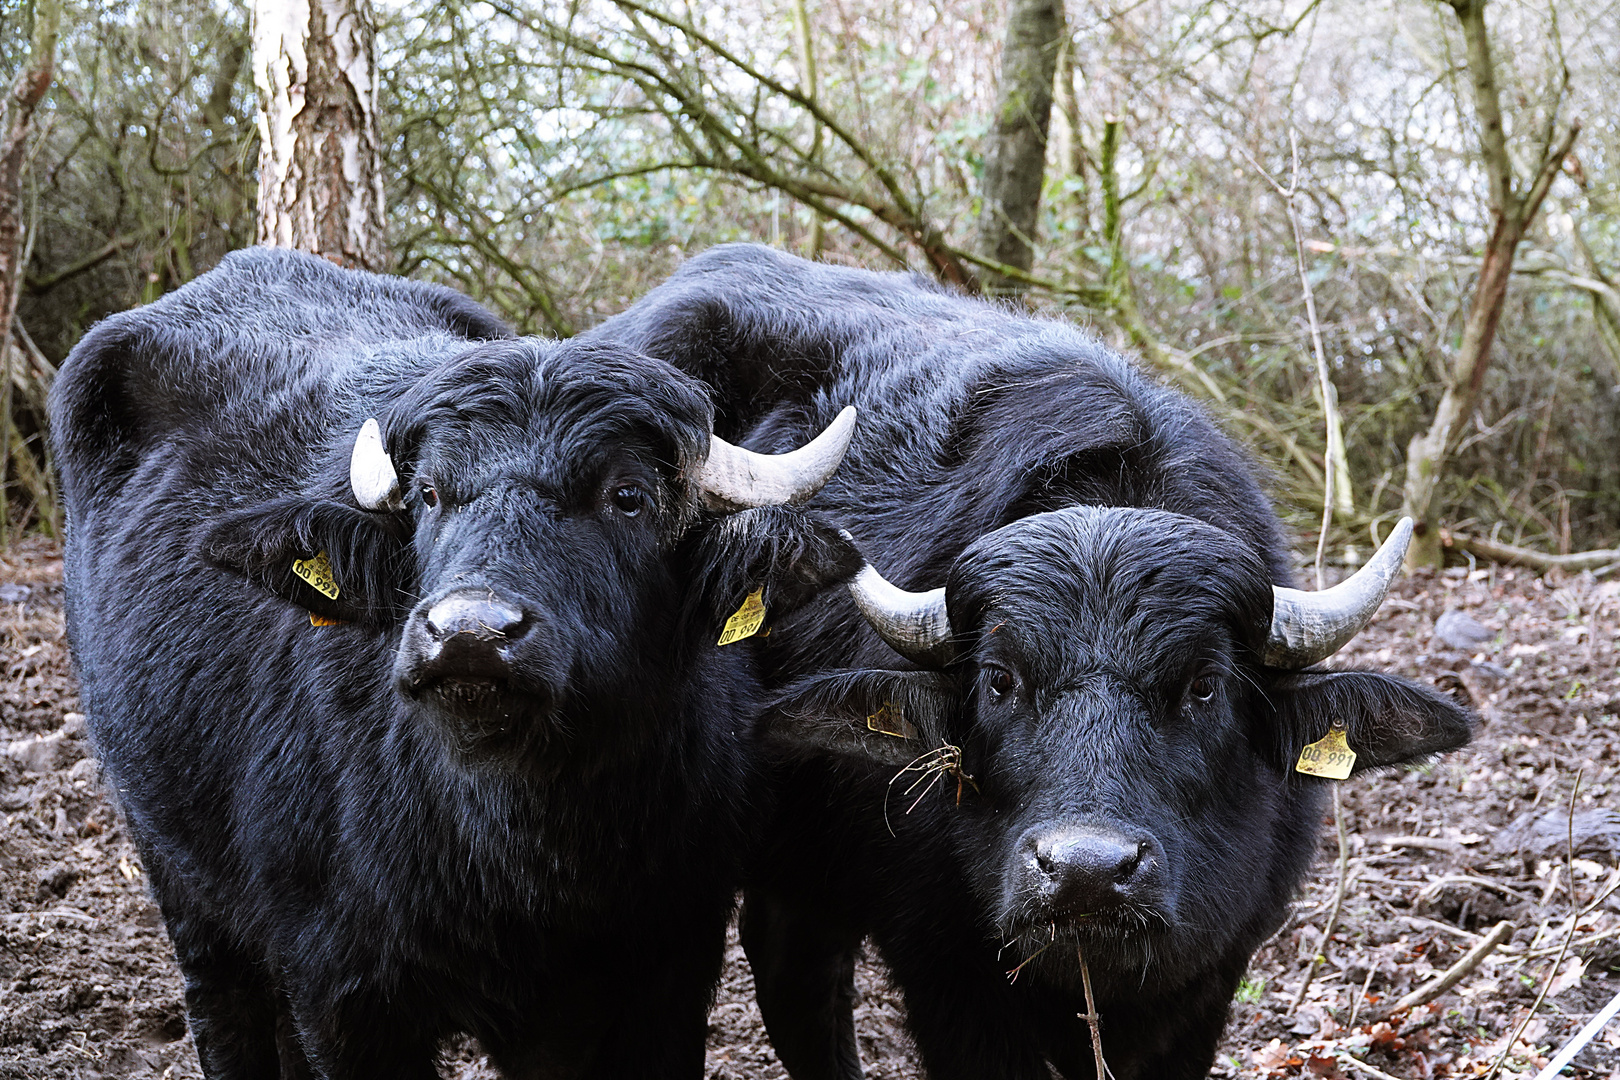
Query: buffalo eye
430, 495
629, 499
1202, 688
999, 680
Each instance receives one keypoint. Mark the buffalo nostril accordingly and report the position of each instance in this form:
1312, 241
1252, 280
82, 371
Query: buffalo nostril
1127, 865
480, 615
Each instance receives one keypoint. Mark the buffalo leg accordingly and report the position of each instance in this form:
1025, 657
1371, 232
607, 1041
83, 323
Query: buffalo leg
663, 1026
232, 1021
230, 1007
965, 1019
804, 979
356, 1037
1177, 1040
230, 1004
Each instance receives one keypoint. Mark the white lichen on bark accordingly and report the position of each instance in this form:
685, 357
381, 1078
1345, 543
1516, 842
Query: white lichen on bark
320, 170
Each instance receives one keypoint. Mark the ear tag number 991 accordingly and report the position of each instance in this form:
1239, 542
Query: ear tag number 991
1329, 756
317, 573
747, 620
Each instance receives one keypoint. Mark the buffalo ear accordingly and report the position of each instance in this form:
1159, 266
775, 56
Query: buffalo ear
369, 560
890, 717
791, 555
1387, 720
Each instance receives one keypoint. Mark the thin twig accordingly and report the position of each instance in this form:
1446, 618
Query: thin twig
1091, 1018
1336, 471
1355, 1006
1453, 975
1012, 976
1552, 971
939, 762
1338, 900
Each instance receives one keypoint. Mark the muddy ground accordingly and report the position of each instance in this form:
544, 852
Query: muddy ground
1436, 857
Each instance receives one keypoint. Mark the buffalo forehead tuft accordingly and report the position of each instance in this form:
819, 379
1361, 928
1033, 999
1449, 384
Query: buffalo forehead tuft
1139, 575
572, 402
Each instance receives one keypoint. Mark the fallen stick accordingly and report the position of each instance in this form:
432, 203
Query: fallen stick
1535, 560
1426, 843
1418, 922
1453, 975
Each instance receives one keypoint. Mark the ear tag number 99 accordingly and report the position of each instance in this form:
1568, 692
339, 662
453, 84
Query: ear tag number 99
747, 620
317, 573
1329, 756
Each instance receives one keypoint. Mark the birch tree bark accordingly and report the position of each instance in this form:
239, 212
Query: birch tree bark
320, 159
1512, 212
1015, 151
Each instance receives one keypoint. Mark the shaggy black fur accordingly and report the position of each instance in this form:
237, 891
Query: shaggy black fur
1109, 559
357, 856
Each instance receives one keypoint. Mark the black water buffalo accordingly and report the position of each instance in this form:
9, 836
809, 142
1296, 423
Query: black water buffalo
398, 637
1094, 752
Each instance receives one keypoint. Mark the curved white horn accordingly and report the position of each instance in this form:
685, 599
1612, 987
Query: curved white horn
1307, 627
371, 471
736, 479
915, 625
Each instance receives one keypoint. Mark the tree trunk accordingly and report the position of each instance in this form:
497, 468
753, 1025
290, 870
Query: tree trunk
1427, 455
1605, 296
16, 126
807, 83
1015, 151
320, 160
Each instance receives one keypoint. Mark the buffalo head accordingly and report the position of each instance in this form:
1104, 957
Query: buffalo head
1121, 742
547, 535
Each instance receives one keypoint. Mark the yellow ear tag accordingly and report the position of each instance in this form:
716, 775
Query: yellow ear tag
748, 619
322, 620
1329, 756
318, 573
888, 721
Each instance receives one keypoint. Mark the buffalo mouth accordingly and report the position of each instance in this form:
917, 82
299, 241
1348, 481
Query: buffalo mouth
481, 716
468, 697
1039, 926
